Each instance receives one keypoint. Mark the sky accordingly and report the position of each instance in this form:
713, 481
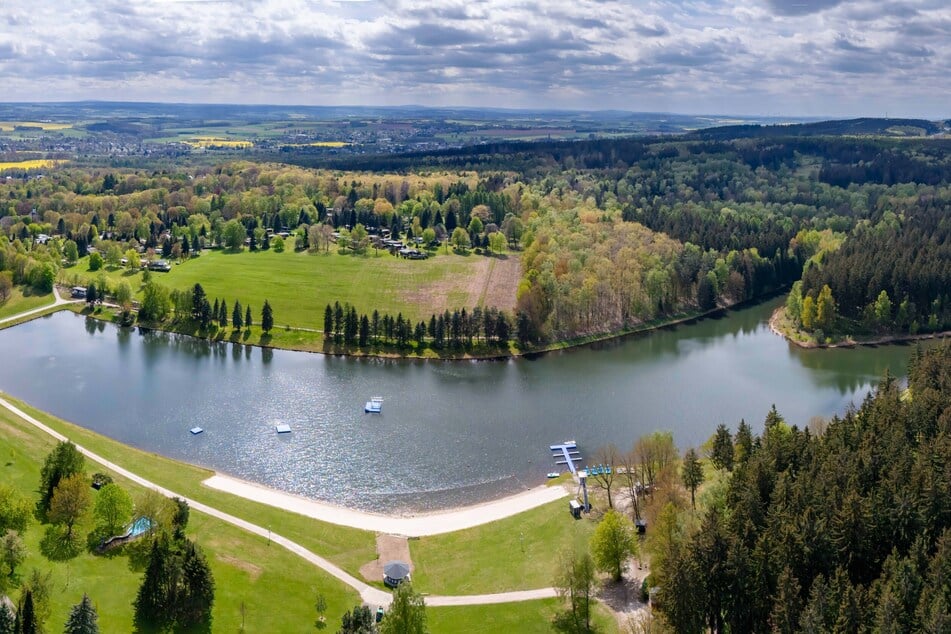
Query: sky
747, 57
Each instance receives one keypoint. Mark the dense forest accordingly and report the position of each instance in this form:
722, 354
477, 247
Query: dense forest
612, 233
844, 527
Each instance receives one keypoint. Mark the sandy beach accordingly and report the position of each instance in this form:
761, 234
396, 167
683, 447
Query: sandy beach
410, 526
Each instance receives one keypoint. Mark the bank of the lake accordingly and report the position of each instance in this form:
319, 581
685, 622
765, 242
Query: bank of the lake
782, 326
312, 340
450, 433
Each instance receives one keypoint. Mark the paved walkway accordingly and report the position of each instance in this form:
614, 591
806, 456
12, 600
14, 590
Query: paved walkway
368, 594
59, 301
410, 526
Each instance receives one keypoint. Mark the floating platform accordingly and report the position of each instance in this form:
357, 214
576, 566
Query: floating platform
553, 474
374, 405
282, 428
566, 454
196, 430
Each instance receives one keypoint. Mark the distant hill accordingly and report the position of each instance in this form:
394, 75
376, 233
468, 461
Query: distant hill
862, 127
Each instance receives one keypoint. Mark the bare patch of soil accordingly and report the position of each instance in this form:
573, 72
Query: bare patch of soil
624, 598
501, 282
253, 571
488, 281
388, 548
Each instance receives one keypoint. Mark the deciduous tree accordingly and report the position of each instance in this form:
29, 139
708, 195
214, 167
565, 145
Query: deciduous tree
64, 461
71, 500
113, 508
612, 543
407, 613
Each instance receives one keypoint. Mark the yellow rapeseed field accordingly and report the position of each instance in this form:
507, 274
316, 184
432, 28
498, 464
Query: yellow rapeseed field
210, 141
8, 126
32, 164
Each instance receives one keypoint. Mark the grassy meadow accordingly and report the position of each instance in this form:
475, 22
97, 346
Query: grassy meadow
516, 553
300, 285
22, 299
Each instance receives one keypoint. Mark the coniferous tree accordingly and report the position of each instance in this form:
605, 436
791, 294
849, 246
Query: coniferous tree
328, 322
151, 609
223, 314
197, 594
236, 319
198, 300
692, 474
83, 618
26, 615
267, 317
8, 622
247, 318
722, 453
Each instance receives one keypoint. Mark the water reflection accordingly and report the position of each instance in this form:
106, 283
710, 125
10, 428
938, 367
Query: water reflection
450, 432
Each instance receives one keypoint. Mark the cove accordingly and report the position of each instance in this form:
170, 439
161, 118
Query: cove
451, 432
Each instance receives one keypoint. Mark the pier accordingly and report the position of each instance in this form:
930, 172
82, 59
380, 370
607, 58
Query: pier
566, 453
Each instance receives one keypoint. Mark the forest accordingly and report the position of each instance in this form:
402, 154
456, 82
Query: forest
841, 527
611, 234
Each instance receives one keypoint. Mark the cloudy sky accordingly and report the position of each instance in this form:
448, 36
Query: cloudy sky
767, 57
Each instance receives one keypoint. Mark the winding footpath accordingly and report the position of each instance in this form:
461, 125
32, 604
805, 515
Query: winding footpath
368, 594
59, 301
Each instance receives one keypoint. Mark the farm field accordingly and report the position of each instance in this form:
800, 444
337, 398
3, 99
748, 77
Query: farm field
300, 285
30, 164
9, 126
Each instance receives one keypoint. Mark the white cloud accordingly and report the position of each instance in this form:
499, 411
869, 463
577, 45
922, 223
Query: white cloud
815, 57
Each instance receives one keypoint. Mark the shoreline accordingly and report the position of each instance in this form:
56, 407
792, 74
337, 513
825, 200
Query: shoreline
568, 344
408, 525
780, 312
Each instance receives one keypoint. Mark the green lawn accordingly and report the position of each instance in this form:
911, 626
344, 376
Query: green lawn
527, 617
248, 572
300, 285
19, 302
517, 553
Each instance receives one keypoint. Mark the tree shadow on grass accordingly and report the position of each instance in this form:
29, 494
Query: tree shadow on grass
57, 546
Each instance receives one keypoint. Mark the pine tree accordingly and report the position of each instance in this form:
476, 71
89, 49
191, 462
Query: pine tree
328, 322
8, 621
197, 595
267, 317
83, 618
692, 474
247, 318
223, 314
743, 443
26, 615
151, 603
236, 319
722, 453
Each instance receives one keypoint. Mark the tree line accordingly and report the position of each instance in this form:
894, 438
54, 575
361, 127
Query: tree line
459, 329
841, 527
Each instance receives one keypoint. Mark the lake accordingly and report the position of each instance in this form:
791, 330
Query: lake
450, 432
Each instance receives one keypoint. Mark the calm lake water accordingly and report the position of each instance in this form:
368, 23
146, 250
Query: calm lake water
450, 432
